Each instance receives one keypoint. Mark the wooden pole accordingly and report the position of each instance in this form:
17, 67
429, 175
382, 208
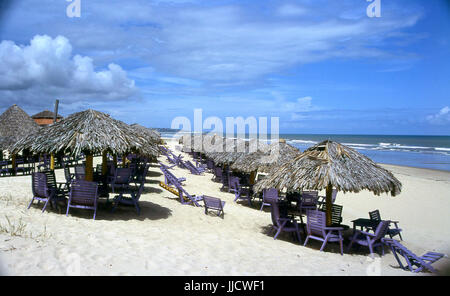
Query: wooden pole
124, 160
52, 161
104, 163
252, 177
13, 163
89, 167
328, 202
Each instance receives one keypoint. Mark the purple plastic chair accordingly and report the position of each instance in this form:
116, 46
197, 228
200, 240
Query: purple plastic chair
218, 174
83, 195
316, 228
80, 172
375, 215
168, 174
192, 168
283, 224
133, 200
371, 240
269, 195
239, 191
214, 203
122, 179
185, 197
413, 262
40, 189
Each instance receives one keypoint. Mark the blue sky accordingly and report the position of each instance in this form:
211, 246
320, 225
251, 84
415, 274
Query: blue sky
320, 66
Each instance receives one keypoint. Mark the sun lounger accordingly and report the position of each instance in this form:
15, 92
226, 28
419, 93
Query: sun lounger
185, 197
413, 262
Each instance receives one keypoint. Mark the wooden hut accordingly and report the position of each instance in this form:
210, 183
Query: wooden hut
45, 117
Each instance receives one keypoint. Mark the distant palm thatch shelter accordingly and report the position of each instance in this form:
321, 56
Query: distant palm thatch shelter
151, 134
15, 124
201, 143
45, 117
327, 165
89, 132
266, 158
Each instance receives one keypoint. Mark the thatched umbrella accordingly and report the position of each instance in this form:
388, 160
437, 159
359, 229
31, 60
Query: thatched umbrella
14, 124
327, 165
88, 132
201, 143
266, 158
151, 134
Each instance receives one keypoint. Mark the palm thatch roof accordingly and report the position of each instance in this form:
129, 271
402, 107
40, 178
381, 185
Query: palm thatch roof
266, 158
15, 124
88, 131
232, 150
151, 134
331, 163
201, 143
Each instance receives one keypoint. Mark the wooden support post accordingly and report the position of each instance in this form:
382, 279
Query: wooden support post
89, 167
104, 163
253, 177
328, 202
13, 164
52, 161
124, 160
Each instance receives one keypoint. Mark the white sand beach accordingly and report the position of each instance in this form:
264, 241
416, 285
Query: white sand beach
169, 238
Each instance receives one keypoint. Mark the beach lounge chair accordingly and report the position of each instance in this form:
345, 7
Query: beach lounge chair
167, 173
214, 203
413, 262
316, 228
239, 191
185, 197
192, 168
268, 197
375, 216
371, 240
40, 189
133, 200
282, 223
83, 195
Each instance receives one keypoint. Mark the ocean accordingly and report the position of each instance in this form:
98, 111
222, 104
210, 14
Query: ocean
431, 152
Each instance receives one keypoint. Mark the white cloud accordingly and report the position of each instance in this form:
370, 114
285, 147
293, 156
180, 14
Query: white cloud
442, 117
291, 10
46, 69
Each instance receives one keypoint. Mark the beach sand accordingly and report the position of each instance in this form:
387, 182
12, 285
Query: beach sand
169, 238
